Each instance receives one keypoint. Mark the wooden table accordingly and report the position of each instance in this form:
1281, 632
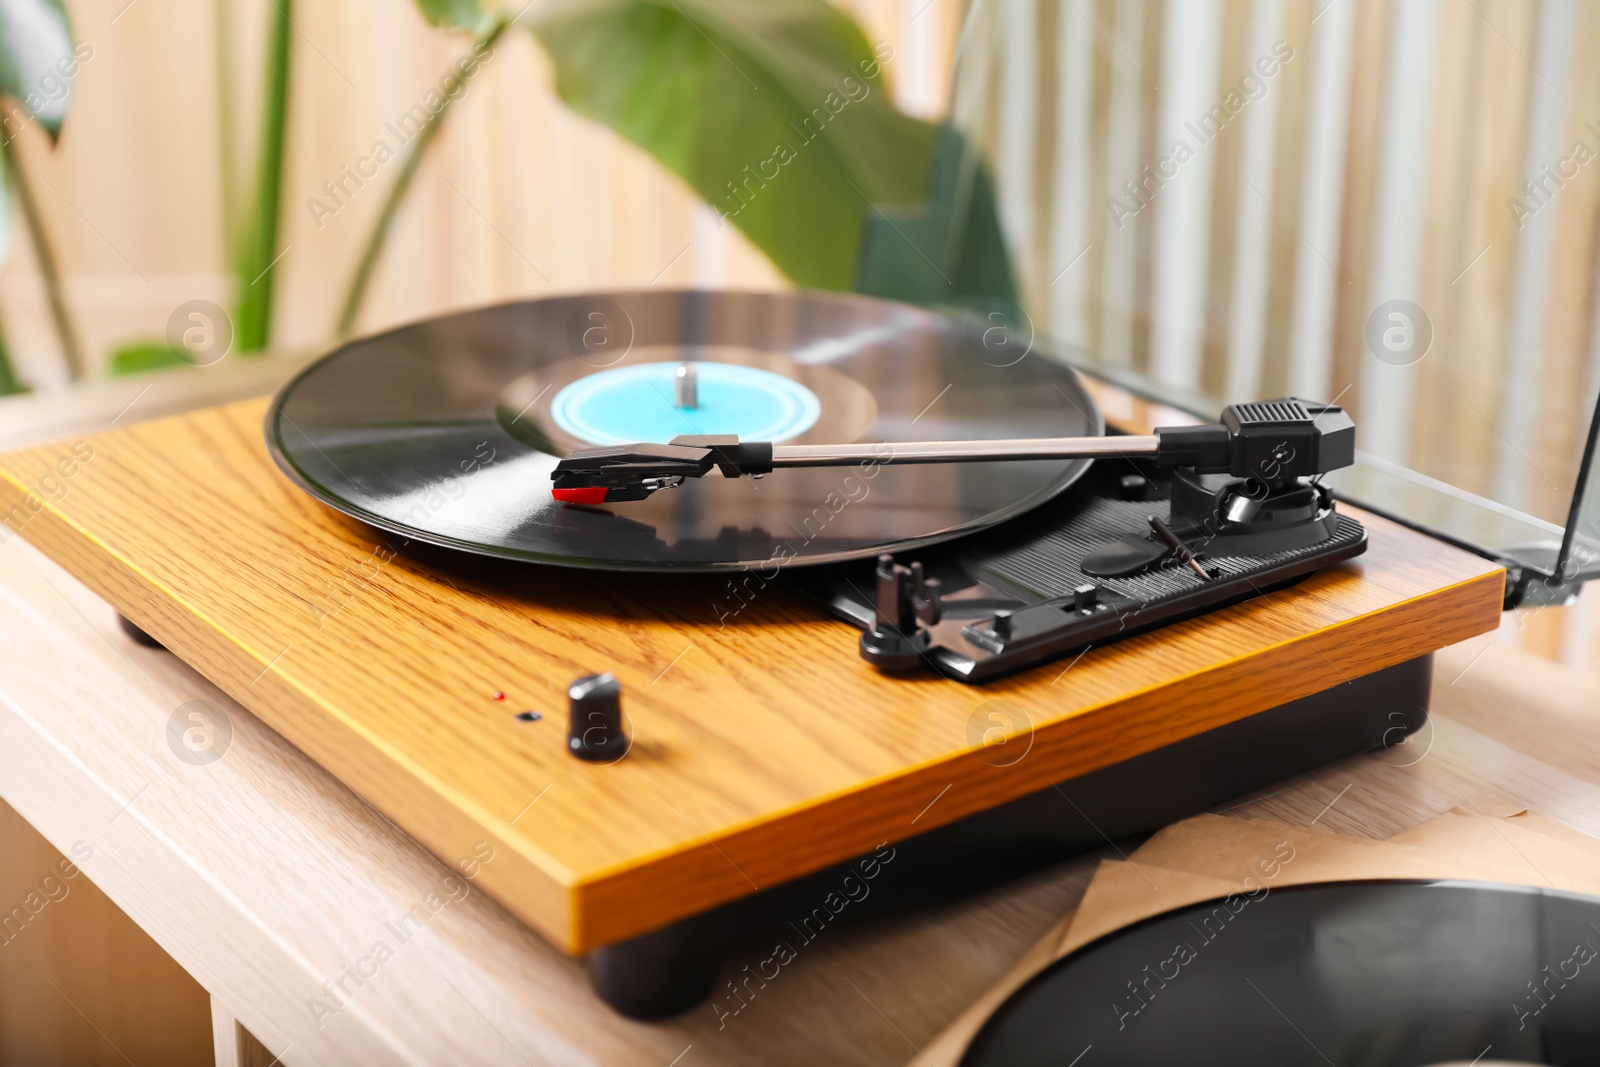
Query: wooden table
264, 878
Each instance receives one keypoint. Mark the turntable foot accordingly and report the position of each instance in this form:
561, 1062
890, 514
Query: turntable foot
137, 634
656, 975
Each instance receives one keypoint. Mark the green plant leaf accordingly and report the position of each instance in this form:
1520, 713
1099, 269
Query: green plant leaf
136, 357
6, 221
258, 240
947, 250
9, 382
776, 112
454, 14
37, 60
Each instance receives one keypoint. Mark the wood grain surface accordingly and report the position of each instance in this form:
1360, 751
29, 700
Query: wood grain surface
265, 877
762, 750
80, 983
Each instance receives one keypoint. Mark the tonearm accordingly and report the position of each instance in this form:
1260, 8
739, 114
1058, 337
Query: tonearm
1274, 442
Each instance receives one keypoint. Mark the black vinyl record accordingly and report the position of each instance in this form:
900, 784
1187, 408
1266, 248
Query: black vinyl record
446, 431
1376, 974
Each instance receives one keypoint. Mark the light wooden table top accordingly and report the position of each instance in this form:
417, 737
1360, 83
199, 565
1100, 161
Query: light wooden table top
265, 878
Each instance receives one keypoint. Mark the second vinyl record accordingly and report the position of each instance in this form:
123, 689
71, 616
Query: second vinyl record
1380, 974
446, 431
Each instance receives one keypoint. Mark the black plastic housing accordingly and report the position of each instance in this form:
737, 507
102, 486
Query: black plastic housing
1276, 440
1271, 440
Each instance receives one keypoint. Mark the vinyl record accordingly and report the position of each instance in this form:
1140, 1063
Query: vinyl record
1381, 974
446, 431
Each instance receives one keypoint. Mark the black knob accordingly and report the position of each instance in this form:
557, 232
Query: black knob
1133, 487
594, 729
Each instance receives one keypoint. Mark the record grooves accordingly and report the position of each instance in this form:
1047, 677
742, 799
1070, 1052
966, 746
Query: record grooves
446, 431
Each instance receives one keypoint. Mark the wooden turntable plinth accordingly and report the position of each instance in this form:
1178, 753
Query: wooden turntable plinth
764, 748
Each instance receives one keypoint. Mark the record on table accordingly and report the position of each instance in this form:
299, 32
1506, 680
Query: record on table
1381, 974
446, 431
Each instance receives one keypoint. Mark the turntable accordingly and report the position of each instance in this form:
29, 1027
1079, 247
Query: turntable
695, 608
